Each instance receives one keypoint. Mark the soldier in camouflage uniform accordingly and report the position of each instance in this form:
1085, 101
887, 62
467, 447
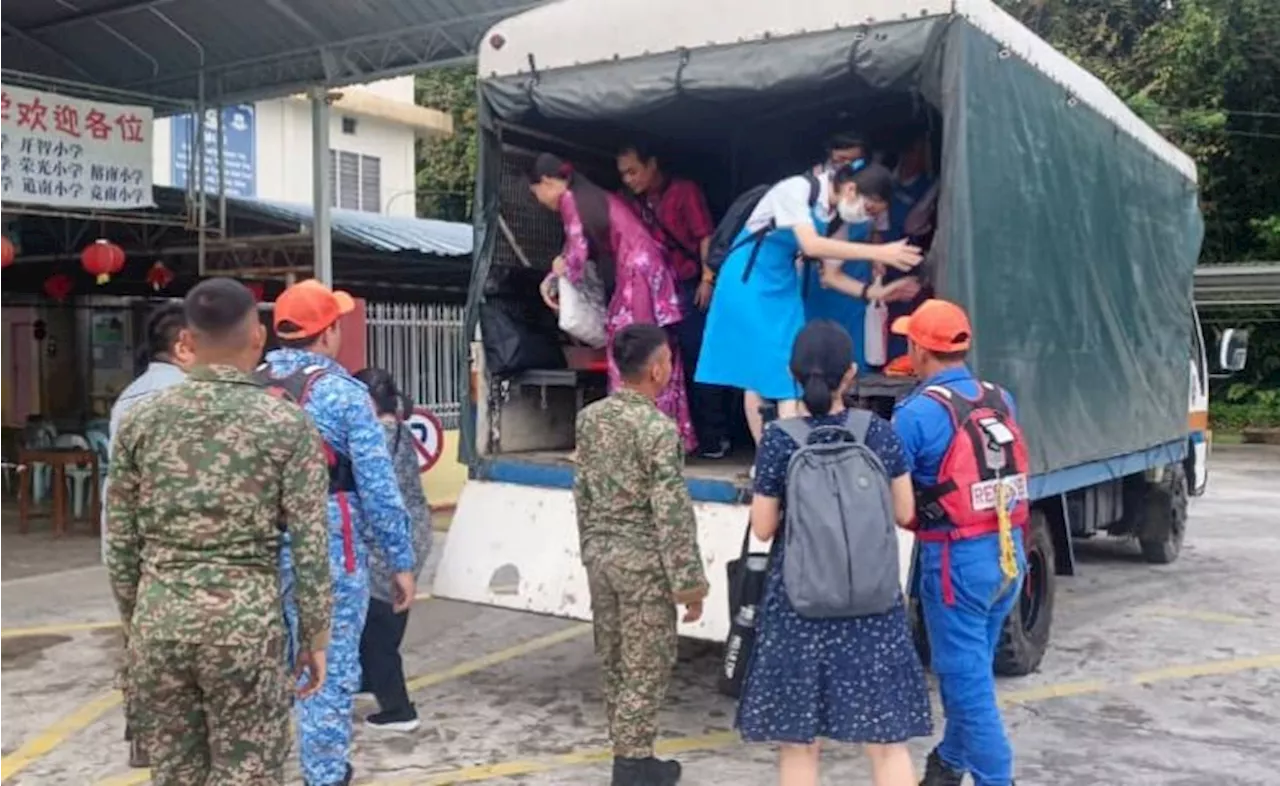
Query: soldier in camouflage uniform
639, 546
204, 477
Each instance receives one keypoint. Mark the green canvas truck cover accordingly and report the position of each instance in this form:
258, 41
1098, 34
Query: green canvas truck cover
1067, 227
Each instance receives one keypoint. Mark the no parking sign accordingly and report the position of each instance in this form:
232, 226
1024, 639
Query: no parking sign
428, 437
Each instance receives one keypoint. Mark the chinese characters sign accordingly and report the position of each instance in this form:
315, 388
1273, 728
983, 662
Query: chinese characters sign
238, 149
69, 152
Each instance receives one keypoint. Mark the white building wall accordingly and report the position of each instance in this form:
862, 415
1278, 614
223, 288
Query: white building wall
282, 158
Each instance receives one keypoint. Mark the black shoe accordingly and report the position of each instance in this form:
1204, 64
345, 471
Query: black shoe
937, 773
346, 779
394, 720
645, 772
717, 451
138, 758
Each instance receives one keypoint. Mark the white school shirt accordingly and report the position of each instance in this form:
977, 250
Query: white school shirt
787, 204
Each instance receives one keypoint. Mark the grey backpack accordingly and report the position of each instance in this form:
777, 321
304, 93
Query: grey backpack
841, 536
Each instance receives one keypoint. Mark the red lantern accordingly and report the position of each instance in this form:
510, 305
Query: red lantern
258, 289
159, 276
59, 286
102, 259
7, 252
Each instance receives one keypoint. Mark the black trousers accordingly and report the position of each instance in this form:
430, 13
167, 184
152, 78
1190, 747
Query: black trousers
708, 404
382, 671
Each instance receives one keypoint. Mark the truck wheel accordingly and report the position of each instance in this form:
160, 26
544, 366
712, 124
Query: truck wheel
1165, 516
1026, 632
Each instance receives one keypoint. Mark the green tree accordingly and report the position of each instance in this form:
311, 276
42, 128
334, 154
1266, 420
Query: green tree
447, 166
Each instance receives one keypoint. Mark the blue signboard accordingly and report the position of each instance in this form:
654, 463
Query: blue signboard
238, 144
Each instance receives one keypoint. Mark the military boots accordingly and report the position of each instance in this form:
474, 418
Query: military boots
645, 772
937, 773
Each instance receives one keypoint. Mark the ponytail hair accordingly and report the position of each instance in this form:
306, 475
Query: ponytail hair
387, 398
820, 358
593, 209
817, 393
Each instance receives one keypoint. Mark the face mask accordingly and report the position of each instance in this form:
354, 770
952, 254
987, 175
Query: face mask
853, 211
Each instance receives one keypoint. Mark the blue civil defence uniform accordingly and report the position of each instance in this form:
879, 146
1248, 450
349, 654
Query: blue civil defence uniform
962, 636
373, 516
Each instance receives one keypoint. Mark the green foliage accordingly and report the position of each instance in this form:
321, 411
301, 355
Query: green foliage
447, 167
1206, 73
1268, 232
1236, 417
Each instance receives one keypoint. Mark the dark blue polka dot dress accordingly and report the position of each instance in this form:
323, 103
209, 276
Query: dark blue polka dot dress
855, 680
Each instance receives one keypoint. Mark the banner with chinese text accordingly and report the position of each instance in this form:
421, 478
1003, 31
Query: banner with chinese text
70, 152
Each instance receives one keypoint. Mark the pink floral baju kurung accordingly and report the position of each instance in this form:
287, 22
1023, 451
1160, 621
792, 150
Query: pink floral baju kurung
644, 292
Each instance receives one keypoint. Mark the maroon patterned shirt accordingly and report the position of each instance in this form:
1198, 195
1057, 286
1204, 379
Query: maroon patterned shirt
677, 215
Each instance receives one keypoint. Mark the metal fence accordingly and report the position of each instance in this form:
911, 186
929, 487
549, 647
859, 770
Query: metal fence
422, 346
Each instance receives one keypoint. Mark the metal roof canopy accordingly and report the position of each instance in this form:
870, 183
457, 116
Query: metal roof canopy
1240, 284
245, 50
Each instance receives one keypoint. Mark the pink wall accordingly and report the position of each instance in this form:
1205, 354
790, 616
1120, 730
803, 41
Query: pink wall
20, 385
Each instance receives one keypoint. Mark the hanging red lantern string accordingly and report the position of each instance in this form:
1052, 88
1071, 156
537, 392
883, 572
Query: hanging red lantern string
102, 259
7, 252
58, 286
159, 276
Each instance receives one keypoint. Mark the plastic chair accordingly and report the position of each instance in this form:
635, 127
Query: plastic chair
40, 434
10, 471
78, 475
101, 445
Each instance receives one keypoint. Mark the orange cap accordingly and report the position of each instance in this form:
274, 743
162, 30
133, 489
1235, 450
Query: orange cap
937, 325
311, 306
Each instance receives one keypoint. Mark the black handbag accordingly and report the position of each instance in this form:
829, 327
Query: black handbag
518, 337
747, 575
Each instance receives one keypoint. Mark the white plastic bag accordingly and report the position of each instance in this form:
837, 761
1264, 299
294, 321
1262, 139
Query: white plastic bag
582, 308
876, 334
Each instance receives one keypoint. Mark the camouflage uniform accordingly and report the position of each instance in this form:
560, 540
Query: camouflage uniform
203, 478
639, 546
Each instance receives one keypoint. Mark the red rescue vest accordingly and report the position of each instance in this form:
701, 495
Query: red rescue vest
987, 450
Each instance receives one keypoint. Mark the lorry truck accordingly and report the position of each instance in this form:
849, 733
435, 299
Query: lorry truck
1067, 227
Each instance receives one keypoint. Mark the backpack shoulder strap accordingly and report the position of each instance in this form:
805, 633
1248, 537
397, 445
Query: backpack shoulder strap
949, 400
815, 187
858, 423
310, 375
992, 397
796, 428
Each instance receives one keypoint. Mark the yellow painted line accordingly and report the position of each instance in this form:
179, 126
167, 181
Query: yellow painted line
1212, 668
520, 767
1199, 616
415, 684
718, 740
56, 630
50, 738
501, 656
1060, 690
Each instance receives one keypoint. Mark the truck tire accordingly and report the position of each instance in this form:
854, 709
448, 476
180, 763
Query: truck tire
1026, 632
1164, 516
